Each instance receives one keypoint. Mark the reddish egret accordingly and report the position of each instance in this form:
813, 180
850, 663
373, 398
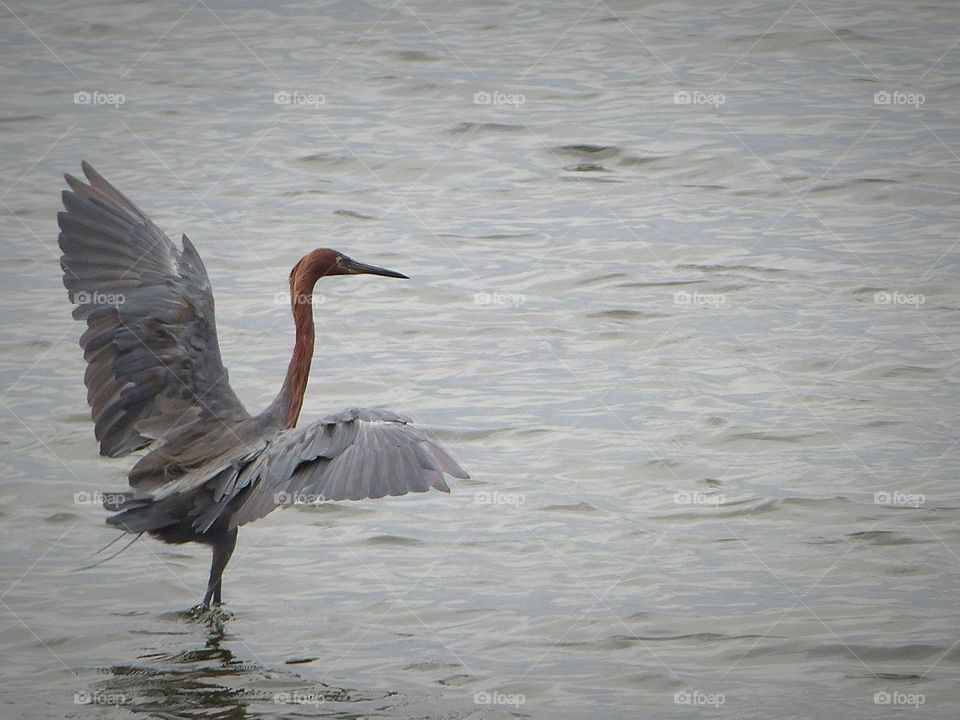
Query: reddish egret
155, 379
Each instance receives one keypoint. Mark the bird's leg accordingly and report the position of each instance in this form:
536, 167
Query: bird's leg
221, 556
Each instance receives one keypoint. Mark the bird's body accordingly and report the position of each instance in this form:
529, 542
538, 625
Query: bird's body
155, 380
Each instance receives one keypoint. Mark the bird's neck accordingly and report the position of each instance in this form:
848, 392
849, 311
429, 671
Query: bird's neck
290, 400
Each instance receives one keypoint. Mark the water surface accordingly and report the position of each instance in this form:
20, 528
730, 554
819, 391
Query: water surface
684, 301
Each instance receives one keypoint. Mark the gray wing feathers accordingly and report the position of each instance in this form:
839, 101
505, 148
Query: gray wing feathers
338, 458
353, 455
154, 375
151, 345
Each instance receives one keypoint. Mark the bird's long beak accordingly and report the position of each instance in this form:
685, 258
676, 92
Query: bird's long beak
359, 268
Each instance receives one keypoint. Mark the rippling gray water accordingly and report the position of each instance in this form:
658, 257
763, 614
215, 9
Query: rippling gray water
684, 302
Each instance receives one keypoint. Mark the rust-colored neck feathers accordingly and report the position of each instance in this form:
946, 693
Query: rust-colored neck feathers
303, 277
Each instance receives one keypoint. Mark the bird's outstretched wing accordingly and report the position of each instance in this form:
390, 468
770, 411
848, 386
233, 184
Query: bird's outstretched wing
350, 456
153, 362
356, 454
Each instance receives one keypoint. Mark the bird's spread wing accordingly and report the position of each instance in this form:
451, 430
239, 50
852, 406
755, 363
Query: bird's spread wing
357, 454
154, 367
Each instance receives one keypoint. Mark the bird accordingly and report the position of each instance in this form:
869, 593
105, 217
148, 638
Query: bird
156, 383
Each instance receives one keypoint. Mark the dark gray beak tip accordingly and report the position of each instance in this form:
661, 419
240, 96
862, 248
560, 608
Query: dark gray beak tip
360, 268
383, 272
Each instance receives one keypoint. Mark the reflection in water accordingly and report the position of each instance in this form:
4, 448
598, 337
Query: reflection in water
213, 682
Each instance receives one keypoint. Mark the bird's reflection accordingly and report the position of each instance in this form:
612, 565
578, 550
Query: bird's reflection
209, 680
215, 621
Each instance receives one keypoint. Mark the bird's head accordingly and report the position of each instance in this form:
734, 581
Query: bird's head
324, 262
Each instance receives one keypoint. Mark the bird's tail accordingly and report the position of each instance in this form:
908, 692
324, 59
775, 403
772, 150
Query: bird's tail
133, 514
167, 518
